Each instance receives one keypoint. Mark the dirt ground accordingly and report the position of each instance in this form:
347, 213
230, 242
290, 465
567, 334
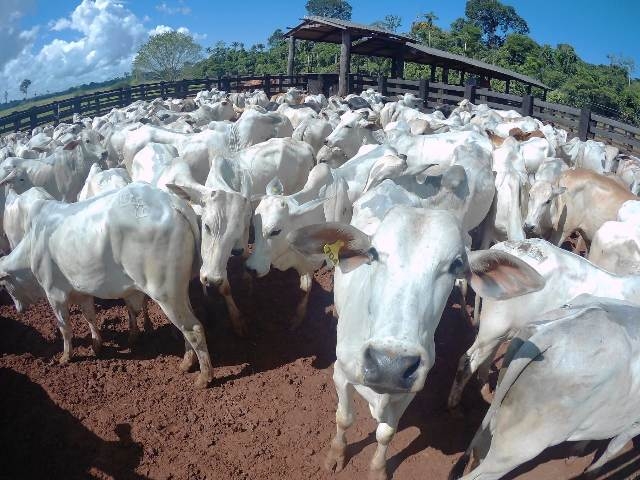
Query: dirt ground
268, 415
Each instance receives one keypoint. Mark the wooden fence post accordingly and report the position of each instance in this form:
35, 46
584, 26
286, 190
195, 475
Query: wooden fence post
33, 118
382, 85
470, 93
185, 88
97, 104
121, 97
127, 95
56, 114
76, 105
16, 122
584, 123
424, 91
527, 106
143, 91
266, 85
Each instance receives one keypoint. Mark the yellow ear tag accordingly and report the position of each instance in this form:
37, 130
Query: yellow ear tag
331, 251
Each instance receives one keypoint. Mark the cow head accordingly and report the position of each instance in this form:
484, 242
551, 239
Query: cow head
541, 207
17, 278
396, 284
354, 130
226, 217
275, 217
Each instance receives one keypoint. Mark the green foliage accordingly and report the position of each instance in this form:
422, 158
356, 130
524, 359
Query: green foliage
166, 55
329, 8
389, 22
24, 86
495, 20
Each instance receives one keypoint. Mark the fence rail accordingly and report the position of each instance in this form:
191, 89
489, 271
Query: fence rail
579, 122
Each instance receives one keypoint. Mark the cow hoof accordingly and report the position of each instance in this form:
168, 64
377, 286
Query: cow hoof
456, 412
486, 393
134, 336
188, 361
334, 461
240, 326
64, 359
296, 321
202, 381
378, 474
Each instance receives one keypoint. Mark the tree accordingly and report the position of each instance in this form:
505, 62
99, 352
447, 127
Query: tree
24, 86
389, 22
164, 56
426, 25
495, 20
276, 38
626, 63
329, 8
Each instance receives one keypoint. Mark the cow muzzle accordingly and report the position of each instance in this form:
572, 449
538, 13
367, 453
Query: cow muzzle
393, 370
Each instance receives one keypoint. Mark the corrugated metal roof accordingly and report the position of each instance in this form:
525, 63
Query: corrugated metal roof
378, 42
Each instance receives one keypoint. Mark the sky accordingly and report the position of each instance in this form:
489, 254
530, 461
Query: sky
62, 43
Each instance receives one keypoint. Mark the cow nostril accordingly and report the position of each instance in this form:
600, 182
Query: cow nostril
236, 252
412, 368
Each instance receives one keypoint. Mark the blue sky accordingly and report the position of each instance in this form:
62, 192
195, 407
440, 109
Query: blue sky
58, 44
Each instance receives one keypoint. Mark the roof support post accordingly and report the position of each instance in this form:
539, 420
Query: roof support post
424, 91
507, 85
445, 75
544, 95
292, 55
527, 106
345, 63
528, 90
432, 79
397, 66
382, 85
462, 73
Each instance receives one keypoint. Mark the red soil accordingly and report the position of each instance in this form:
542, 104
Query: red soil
268, 415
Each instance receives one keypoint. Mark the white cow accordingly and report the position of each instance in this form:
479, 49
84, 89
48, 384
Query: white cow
558, 386
100, 181
566, 276
314, 131
108, 247
397, 266
354, 130
226, 205
616, 245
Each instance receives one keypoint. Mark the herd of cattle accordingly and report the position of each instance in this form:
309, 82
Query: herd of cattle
138, 202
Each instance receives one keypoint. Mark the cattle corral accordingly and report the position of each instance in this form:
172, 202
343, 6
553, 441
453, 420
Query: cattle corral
395, 197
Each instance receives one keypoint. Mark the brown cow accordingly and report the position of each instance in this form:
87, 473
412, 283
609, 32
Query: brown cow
581, 200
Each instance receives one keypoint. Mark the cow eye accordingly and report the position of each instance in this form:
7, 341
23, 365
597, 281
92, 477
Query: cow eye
456, 266
347, 126
207, 228
275, 233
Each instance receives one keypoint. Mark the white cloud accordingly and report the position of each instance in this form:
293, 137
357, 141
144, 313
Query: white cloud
182, 9
198, 37
101, 40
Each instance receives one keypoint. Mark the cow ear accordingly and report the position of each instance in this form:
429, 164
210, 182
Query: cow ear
274, 187
71, 145
246, 184
191, 194
307, 206
339, 243
500, 275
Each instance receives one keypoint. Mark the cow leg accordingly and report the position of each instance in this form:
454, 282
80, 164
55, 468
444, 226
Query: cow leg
61, 311
615, 445
479, 356
306, 281
238, 322
344, 419
136, 304
462, 288
182, 316
89, 311
387, 426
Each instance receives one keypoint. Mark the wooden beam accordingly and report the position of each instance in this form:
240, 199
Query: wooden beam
292, 55
345, 63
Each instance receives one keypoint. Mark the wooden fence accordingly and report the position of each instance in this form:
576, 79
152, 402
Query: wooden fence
578, 122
